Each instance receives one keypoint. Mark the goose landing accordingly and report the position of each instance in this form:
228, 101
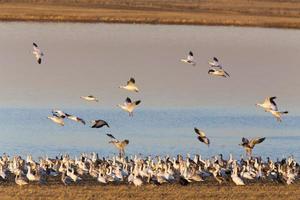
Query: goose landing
129, 106
249, 145
120, 145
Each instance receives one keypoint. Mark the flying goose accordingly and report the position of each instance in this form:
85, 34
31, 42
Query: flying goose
189, 59
57, 120
120, 145
202, 137
278, 114
268, 104
58, 113
74, 118
130, 86
38, 53
89, 98
129, 106
249, 145
218, 72
215, 63
99, 123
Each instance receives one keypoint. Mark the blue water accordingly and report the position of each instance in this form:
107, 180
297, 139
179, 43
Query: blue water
150, 131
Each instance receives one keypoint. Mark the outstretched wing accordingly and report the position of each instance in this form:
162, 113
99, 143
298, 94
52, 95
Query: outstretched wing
200, 133
111, 136
255, 141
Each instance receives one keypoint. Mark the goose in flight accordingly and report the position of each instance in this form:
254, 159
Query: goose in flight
38, 53
202, 137
218, 72
268, 104
57, 120
130, 86
278, 114
120, 145
99, 123
249, 145
189, 59
89, 98
215, 63
74, 118
129, 106
59, 113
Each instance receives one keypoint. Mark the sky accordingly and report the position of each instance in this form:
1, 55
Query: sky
84, 59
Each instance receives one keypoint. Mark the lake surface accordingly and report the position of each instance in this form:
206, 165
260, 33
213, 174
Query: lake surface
83, 59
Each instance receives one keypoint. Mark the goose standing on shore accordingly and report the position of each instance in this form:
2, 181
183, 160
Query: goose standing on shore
189, 59
130, 86
129, 106
38, 53
249, 145
202, 137
89, 98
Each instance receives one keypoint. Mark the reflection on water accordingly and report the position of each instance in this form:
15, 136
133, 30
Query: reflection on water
150, 131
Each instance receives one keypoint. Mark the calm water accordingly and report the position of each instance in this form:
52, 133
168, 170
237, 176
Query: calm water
150, 132
83, 59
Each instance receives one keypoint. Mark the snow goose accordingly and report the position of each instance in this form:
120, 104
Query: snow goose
57, 120
202, 137
38, 53
189, 59
129, 106
218, 72
130, 86
89, 98
99, 123
120, 145
249, 145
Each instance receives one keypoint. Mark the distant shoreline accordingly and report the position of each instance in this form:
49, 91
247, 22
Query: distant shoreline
281, 16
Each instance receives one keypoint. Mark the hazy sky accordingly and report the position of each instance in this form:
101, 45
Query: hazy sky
83, 59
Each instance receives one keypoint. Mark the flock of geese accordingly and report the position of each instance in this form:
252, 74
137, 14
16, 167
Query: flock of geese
140, 171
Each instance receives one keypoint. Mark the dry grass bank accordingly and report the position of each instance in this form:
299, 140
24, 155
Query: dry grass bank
194, 191
264, 13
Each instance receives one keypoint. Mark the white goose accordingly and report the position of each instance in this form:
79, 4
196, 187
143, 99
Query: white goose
38, 53
235, 178
89, 98
57, 120
189, 59
268, 104
130, 86
215, 63
218, 72
129, 106
76, 119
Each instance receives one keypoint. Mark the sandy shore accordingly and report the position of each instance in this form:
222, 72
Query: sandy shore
262, 13
193, 191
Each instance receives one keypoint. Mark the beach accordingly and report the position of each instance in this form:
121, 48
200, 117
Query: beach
266, 13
